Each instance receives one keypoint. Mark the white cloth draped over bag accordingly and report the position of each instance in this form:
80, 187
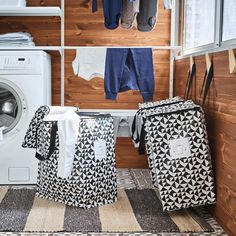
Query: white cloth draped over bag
68, 126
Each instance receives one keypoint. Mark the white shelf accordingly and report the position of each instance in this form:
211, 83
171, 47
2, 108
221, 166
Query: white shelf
153, 47
113, 112
30, 11
36, 48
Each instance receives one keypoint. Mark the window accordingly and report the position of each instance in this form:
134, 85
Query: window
208, 25
229, 20
199, 23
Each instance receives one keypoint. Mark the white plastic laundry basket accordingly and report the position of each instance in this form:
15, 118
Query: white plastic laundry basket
12, 3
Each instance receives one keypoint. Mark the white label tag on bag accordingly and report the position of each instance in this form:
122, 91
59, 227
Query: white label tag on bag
179, 148
100, 149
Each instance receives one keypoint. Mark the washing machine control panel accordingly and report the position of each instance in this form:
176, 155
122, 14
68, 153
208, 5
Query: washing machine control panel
21, 64
16, 63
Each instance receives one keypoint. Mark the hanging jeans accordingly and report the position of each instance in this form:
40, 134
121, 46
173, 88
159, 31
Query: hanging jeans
147, 15
111, 12
130, 9
146, 12
129, 69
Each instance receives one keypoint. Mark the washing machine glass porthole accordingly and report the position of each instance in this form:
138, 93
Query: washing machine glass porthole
10, 107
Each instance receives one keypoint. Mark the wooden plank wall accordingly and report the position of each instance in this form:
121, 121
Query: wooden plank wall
90, 94
45, 30
83, 28
56, 77
220, 113
86, 28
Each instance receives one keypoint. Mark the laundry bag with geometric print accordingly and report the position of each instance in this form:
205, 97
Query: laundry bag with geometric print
92, 181
179, 155
138, 126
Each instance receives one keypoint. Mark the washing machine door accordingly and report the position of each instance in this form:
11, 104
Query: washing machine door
12, 105
17, 164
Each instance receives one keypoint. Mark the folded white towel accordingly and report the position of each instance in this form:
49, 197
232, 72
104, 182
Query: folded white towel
13, 3
16, 39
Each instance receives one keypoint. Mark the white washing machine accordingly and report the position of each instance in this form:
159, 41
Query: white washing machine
25, 84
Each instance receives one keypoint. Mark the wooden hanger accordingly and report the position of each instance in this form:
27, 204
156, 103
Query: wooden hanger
232, 62
208, 62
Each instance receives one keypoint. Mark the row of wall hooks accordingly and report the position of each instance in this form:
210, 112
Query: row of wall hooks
208, 62
232, 61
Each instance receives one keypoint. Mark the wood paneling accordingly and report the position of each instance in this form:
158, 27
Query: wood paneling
86, 28
225, 219
45, 30
90, 94
51, 3
82, 28
127, 156
56, 77
220, 110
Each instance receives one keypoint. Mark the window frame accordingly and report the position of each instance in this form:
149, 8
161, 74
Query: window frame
230, 42
218, 44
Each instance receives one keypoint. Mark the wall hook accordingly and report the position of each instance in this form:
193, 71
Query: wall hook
208, 62
232, 62
191, 62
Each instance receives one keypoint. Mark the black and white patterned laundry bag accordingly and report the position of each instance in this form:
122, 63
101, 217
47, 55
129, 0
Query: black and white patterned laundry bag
179, 155
93, 180
146, 105
145, 110
162, 108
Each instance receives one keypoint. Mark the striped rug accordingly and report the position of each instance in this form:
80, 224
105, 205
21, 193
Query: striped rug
135, 211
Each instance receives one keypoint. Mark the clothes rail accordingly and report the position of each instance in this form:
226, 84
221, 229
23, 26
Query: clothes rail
153, 47
173, 47
113, 112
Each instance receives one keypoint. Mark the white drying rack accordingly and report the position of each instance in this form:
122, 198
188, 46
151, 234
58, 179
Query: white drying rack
56, 11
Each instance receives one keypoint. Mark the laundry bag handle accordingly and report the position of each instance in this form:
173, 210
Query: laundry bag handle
191, 75
208, 78
51, 145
